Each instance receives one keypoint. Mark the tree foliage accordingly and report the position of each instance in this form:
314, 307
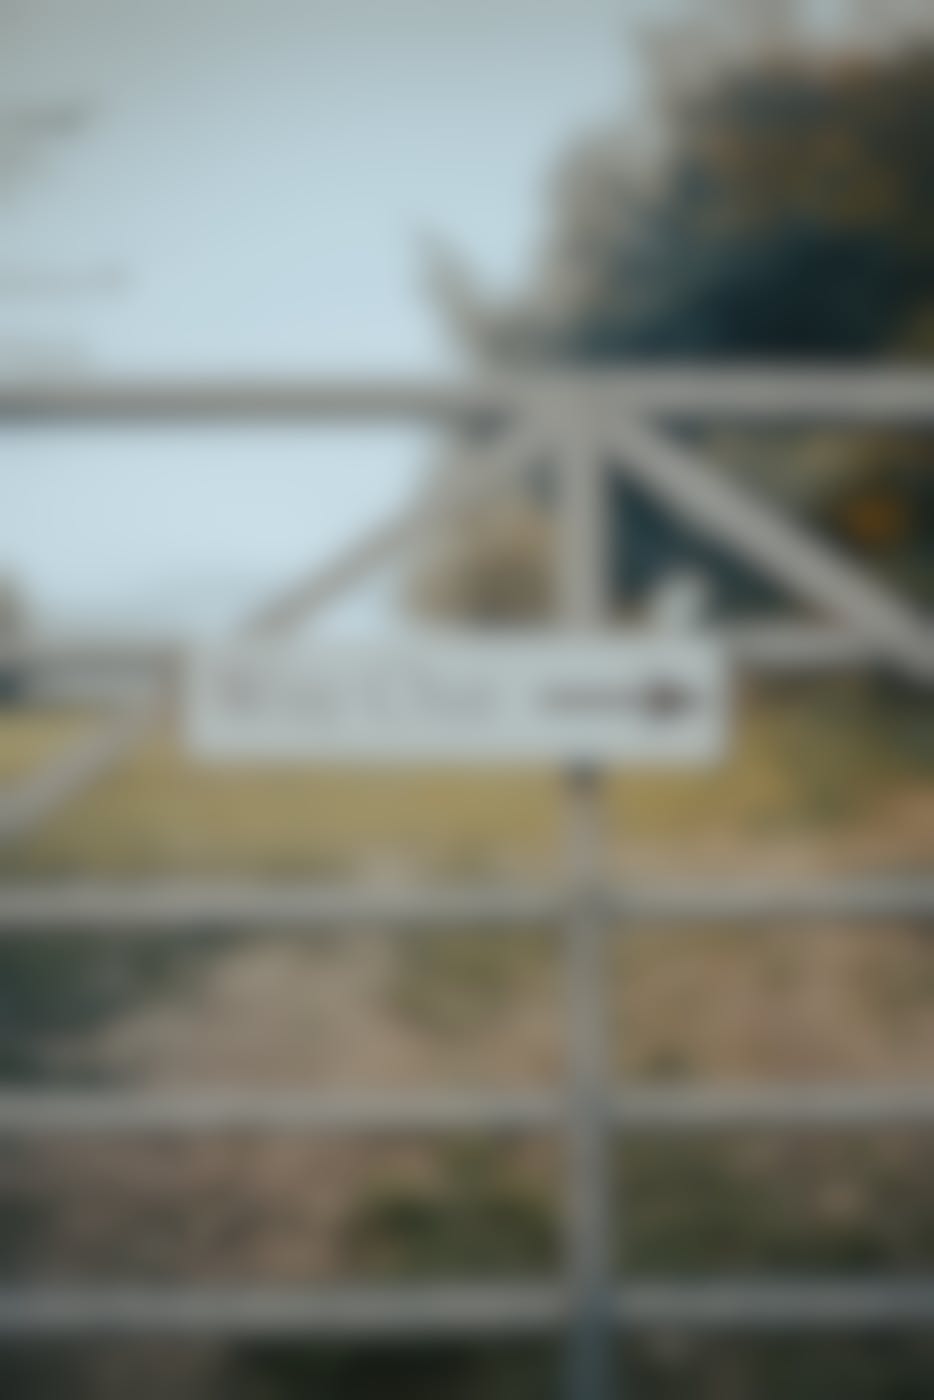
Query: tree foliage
785, 213
791, 215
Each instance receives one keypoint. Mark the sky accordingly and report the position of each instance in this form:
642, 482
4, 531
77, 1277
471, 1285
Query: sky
242, 185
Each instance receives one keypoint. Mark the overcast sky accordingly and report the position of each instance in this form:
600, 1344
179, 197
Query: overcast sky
243, 189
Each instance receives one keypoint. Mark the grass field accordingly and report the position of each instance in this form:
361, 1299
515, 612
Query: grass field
29, 738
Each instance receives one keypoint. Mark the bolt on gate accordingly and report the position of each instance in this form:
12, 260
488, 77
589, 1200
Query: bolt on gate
588, 426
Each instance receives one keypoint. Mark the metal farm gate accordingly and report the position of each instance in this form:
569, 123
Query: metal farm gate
587, 426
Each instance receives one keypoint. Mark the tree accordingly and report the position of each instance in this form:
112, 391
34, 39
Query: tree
785, 212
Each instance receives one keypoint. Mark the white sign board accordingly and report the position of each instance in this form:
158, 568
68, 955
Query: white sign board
633, 701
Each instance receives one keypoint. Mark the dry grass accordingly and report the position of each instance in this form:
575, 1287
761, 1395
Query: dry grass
30, 738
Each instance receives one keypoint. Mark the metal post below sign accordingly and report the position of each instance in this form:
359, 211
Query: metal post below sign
583, 583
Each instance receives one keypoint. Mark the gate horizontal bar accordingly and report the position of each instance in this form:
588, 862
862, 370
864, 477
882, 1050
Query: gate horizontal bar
766, 901
43, 1113
235, 400
431, 1312
768, 648
764, 1305
173, 908
815, 394
180, 907
26, 1113
785, 1107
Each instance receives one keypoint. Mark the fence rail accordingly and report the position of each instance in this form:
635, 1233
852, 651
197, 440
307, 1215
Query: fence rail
445, 1311
186, 908
767, 648
805, 1108
813, 395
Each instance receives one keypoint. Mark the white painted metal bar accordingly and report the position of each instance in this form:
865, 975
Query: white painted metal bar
810, 570
435, 1310
797, 1108
733, 1305
772, 395
44, 1113
309, 594
76, 908
183, 908
783, 1108
448, 1311
818, 394
383, 398
846, 900
766, 647
590, 1221
44, 649
805, 649
583, 580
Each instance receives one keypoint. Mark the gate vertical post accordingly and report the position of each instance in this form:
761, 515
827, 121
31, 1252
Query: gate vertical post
583, 598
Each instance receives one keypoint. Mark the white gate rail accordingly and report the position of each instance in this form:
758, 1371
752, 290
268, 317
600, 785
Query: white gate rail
449, 1311
188, 908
